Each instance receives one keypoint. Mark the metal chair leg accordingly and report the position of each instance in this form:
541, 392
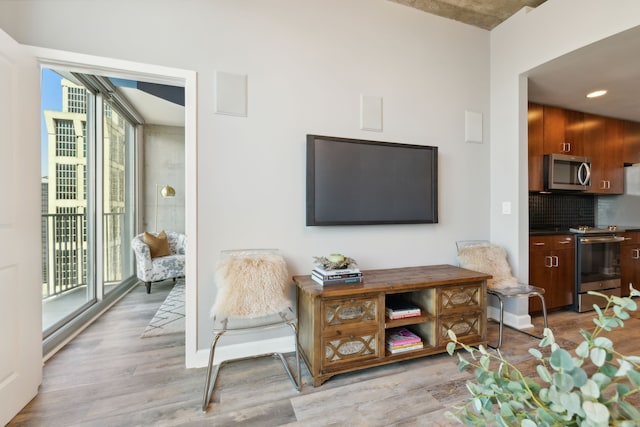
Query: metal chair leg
209, 384
501, 323
544, 310
544, 316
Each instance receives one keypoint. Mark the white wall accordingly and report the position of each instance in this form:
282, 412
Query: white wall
525, 41
307, 64
164, 165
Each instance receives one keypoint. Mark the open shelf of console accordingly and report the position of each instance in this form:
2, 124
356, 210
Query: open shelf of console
342, 328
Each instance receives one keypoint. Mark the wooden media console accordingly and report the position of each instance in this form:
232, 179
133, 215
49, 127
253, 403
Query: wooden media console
342, 328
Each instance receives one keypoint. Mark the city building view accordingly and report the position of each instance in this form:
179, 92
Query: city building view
70, 190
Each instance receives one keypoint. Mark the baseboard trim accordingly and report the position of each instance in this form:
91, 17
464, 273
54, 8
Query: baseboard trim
517, 321
236, 351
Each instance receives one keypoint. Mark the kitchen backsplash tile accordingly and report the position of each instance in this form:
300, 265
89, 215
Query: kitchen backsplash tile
556, 210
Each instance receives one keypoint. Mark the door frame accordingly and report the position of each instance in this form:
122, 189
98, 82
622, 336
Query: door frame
91, 64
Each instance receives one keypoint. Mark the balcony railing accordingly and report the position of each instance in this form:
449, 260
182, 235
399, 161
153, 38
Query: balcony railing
64, 251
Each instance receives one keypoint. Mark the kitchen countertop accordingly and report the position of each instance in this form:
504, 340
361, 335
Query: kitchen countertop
559, 231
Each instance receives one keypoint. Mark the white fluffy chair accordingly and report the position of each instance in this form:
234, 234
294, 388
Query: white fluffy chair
482, 256
253, 294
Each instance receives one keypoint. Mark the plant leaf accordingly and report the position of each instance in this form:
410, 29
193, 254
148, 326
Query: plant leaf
601, 379
579, 377
544, 373
598, 356
630, 410
590, 389
603, 342
634, 377
451, 347
563, 381
561, 360
583, 349
625, 367
572, 404
535, 353
596, 412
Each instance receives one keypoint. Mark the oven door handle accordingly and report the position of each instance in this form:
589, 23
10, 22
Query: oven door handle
602, 239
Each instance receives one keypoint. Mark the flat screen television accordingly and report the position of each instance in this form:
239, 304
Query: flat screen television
358, 182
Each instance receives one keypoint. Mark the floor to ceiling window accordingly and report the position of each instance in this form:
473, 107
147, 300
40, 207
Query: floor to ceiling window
88, 149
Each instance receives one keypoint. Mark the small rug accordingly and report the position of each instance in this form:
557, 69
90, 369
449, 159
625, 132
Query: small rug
169, 319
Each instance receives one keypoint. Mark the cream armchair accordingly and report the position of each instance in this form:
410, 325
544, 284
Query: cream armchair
159, 268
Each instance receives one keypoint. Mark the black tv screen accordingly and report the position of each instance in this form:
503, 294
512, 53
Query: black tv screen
353, 182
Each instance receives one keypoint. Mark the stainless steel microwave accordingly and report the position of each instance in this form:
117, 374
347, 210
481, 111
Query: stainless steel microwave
565, 172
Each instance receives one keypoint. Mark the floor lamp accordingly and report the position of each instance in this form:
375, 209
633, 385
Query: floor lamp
166, 191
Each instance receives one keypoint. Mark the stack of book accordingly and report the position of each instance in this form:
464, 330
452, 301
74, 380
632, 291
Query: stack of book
399, 308
336, 277
402, 339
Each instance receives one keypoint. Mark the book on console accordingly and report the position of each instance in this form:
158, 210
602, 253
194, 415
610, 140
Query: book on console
323, 276
398, 307
401, 336
330, 282
396, 316
329, 272
412, 347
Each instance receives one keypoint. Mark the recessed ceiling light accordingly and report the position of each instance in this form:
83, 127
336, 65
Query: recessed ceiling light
596, 93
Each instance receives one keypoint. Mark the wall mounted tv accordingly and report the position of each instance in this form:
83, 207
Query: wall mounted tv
358, 182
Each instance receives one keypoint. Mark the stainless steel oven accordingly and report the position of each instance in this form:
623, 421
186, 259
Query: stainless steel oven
597, 268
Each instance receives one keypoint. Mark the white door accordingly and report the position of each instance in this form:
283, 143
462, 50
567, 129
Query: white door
20, 265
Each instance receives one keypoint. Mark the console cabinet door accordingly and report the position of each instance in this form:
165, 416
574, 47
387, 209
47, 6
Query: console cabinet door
350, 331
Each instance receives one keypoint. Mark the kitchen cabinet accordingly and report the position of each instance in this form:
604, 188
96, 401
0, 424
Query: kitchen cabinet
551, 267
551, 130
603, 138
630, 262
563, 131
631, 143
536, 148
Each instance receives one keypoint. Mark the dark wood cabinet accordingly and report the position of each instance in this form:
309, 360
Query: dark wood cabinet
536, 147
630, 262
342, 328
563, 131
603, 144
551, 267
610, 143
631, 143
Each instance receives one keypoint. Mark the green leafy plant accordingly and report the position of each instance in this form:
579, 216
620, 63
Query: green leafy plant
592, 387
335, 261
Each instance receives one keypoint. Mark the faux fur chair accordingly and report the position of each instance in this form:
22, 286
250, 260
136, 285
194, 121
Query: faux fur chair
253, 294
482, 256
158, 260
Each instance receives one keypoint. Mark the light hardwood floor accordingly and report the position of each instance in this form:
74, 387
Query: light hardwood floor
109, 376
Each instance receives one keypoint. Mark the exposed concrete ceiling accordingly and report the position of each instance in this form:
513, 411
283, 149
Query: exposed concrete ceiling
485, 14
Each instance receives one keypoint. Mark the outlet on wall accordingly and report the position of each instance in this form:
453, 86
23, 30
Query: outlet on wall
506, 208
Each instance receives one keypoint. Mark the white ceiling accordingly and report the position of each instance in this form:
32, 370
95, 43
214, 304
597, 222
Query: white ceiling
154, 110
612, 64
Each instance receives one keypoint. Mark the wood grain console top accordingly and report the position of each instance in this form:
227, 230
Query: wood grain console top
389, 280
